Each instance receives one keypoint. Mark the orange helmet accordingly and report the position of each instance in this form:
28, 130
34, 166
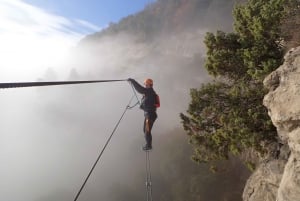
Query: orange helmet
148, 81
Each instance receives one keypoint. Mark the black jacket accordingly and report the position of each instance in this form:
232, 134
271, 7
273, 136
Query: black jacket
149, 98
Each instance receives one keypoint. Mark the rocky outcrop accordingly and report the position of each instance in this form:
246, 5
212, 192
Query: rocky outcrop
264, 182
279, 179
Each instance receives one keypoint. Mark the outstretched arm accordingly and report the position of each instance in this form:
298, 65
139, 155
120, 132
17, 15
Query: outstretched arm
139, 88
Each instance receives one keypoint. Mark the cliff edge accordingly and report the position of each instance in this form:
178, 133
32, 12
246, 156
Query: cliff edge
279, 179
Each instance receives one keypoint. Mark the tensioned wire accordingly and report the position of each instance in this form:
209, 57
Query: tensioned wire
40, 84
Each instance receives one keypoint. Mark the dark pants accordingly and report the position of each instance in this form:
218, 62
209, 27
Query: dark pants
150, 118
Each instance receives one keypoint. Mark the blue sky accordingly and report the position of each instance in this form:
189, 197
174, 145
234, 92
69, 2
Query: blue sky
98, 12
38, 34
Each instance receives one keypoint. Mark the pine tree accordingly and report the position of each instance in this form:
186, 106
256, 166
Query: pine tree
226, 116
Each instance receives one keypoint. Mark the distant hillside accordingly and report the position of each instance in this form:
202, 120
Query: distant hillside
169, 16
165, 33
164, 41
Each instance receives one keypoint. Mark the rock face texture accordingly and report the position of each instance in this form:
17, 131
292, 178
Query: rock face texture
279, 179
264, 182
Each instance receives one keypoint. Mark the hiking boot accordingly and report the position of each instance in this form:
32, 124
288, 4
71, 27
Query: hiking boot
147, 147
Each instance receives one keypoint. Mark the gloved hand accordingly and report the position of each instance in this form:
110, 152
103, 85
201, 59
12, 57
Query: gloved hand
129, 79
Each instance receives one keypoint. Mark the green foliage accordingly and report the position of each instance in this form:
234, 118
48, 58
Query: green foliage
223, 55
227, 117
254, 50
291, 25
258, 26
250, 166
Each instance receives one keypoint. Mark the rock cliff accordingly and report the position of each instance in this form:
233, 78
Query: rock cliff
279, 179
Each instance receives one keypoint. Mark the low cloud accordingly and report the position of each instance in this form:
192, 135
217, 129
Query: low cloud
51, 136
33, 39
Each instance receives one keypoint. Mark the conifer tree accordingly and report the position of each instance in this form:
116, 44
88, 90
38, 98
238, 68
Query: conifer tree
226, 117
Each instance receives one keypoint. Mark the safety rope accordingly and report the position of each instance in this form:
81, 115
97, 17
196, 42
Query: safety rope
148, 170
134, 92
108, 140
40, 84
148, 178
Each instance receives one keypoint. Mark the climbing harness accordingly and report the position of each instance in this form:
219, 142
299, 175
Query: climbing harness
148, 177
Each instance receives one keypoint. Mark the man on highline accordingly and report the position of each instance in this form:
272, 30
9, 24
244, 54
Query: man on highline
150, 102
